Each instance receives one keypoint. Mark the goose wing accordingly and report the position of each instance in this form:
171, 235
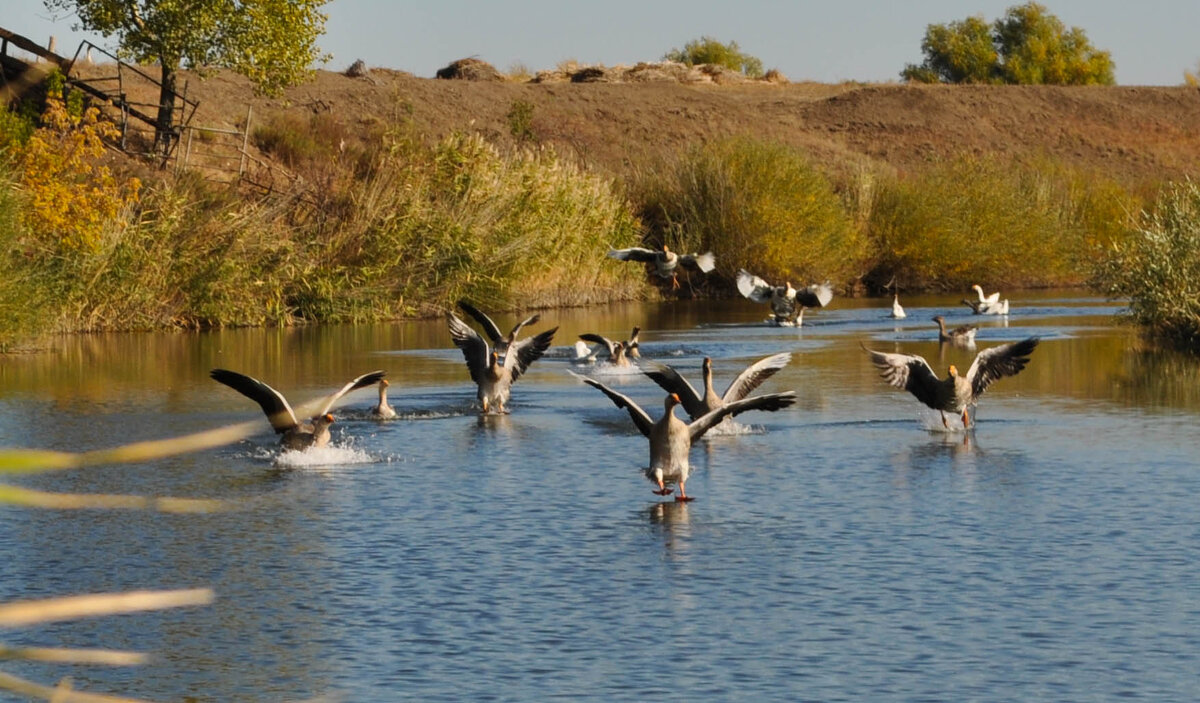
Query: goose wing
523, 353
975, 307
603, 341
769, 402
913, 374
279, 413
670, 381
753, 376
996, 363
475, 350
753, 287
489, 327
639, 416
367, 379
531, 320
633, 254
632, 348
705, 262
815, 296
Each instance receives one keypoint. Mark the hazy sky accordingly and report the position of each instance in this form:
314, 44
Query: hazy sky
1152, 41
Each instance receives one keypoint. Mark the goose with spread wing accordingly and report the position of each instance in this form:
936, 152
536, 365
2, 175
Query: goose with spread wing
294, 434
963, 335
499, 342
666, 262
955, 393
987, 305
616, 350
787, 303
493, 377
671, 439
697, 405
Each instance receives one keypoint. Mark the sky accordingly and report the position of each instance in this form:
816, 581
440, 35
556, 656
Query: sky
1152, 41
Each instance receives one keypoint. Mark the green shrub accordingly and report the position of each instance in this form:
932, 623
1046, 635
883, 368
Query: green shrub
707, 50
520, 121
757, 205
1158, 267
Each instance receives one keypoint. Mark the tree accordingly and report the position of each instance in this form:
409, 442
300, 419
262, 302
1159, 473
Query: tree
1026, 46
272, 42
709, 50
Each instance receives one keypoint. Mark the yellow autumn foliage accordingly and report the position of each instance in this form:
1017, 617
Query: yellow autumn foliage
72, 195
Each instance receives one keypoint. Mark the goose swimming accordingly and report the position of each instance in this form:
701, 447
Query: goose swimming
696, 405
987, 305
493, 377
955, 393
897, 311
787, 303
383, 409
671, 439
666, 262
293, 433
964, 335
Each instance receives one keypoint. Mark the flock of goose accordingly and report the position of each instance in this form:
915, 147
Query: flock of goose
497, 362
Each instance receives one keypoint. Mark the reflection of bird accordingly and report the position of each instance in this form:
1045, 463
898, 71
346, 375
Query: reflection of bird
696, 405
499, 343
666, 261
987, 305
493, 378
787, 303
964, 335
293, 433
954, 393
671, 438
383, 410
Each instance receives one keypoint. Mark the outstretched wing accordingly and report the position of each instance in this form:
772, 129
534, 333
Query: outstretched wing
632, 348
769, 402
531, 320
754, 375
975, 307
753, 287
475, 350
670, 381
279, 413
913, 374
815, 296
367, 379
523, 353
996, 363
597, 339
489, 327
639, 416
633, 254
705, 262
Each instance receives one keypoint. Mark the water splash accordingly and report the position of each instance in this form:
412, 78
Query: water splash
322, 457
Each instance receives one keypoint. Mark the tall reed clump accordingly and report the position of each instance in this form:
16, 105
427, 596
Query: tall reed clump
1157, 268
758, 205
985, 220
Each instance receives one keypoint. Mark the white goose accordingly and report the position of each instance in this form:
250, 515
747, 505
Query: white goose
897, 311
955, 393
987, 305
671, 438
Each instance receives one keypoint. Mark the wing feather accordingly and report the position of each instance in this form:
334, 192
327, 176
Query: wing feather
633, 254
670, 381
753, 287
705, 262
523, 353
913, 374
754, 375
276, 407
639, 416
531, 320
604, 341
997, 362
367, 379
475, 350
815, 296
489, 327
769, 402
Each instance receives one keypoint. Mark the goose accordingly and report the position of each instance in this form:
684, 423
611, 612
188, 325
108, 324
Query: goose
671, 439
954, 393
696, 405
964, 335
493, 377
383, 410
616, 350
787, 303
897, 311
986, 301
499, 343
632, 349
293, 433
989, 305
665, 261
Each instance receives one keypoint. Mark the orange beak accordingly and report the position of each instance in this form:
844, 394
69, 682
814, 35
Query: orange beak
328, 418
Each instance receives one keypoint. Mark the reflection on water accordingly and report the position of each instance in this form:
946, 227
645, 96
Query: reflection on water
844, 549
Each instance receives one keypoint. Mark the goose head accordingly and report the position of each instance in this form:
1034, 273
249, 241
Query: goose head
494, 359
953, 371
322, 421
670, 402
939, 319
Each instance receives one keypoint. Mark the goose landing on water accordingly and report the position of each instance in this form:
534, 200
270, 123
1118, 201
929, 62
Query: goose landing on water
787, 303
293, 433
671, 439
956, 394
492, 377
619, 353
499, 342
696, 405
666, 262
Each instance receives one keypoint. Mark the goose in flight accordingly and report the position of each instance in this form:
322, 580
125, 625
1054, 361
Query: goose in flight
787, 303
499, 342
494, 377
382, 409
697, 405
666, 262
617, 351
671, 439
293, 433
955, 393
964, 335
